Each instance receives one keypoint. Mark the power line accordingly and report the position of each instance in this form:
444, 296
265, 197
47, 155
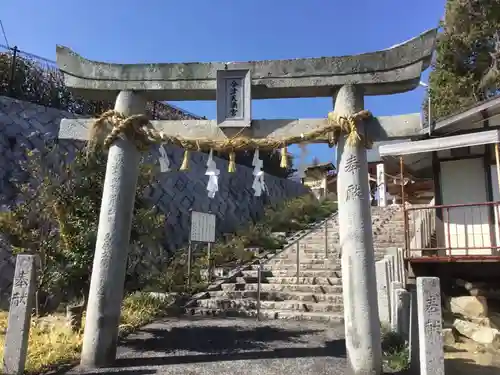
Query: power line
4, 34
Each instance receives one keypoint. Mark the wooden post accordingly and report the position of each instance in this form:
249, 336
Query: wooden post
405, 213
190, 256
209, 261
497, 159
401, 172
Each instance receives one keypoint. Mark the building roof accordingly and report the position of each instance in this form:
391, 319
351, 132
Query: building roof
322, 167
475, 113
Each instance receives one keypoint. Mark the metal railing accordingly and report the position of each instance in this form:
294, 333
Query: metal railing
296, 242
422, 229
32, 78
259, 282
453, 232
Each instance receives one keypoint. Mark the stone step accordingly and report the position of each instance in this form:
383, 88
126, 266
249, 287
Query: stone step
317, 252
291, 272
310, 262
319, 239
306, 280
270, 314
320, 255
250, 303
307, 266
301, 288
278, 296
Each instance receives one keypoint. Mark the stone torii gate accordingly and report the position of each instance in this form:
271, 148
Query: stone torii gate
346, 79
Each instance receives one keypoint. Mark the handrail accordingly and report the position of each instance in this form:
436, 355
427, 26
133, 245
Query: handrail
492, 203
296, 242
266, 257
259, 281
298, 262
456, 231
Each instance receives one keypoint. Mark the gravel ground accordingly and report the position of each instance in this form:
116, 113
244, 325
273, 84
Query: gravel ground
196, 346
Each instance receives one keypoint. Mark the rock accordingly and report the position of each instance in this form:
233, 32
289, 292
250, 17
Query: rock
478, 333
469, 306
162, 296
494, 319
448, 336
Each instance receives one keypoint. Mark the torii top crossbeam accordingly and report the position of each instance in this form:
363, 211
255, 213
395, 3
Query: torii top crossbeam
394, 70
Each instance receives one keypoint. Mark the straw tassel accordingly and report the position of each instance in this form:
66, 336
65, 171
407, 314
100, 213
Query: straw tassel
284, 158
185, 161
232, 162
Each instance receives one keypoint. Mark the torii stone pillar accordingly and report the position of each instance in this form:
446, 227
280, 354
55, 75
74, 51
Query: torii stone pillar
362, 328
113, 236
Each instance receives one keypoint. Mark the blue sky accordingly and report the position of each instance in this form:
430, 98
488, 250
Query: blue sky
132, 31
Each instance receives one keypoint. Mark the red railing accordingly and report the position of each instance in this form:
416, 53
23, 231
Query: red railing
453, 232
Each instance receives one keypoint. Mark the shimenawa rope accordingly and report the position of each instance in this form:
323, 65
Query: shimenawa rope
139, 130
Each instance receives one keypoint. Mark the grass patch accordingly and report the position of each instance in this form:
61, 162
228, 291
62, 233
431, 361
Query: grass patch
229, 252
53, 344
395, 351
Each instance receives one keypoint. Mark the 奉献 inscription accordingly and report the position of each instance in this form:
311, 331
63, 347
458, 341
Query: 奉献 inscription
430, 326
433, 329
19, 298
352, 164
353, 192
432, 304
21, 304
21, 280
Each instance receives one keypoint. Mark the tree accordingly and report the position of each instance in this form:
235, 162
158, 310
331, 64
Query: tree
467, 65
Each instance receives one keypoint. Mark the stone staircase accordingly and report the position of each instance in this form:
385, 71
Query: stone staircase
316, 294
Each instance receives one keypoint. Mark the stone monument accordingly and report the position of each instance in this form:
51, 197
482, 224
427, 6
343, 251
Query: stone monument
430, 326
346, 79
19, 322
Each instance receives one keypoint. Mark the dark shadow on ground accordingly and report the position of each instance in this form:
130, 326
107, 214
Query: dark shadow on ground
225, 343
460, 366
212, 339
451, 349
127, 372
334, 348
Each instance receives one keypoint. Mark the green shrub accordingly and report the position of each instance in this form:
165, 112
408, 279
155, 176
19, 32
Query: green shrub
57, 217
395, 350
288, 216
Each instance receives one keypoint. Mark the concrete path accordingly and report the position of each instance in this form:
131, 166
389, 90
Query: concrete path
228, 346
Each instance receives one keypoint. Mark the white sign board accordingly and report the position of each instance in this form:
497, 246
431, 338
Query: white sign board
202, 227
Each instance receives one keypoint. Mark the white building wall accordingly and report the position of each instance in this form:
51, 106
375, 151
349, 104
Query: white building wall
462, 182
496, 198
